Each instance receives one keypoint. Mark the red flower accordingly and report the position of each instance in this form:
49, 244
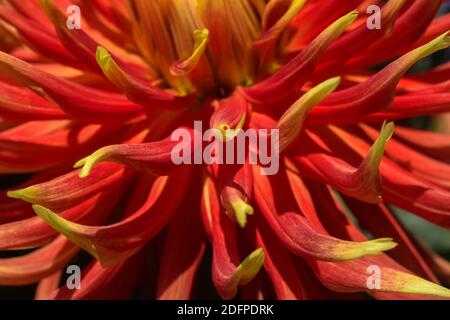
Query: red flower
113, 89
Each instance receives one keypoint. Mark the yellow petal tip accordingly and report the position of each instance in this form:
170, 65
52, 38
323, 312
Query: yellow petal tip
242, 210
22, 194
88, 163
103, 58
250, 267
184, 67
354, 250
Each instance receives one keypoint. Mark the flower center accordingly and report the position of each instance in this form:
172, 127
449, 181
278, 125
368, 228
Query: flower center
203, 46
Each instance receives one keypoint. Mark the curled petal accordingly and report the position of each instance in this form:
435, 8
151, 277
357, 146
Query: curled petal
184, 67
378, 92
352, 277
114, 243
363, 182
34, 232
69, 190
400, 186
228, 273
272, 30
12, 209
290, 78
231, 114
235, 184
428, 168
82, 102
153, 157
362, 269
296, 232
136, 89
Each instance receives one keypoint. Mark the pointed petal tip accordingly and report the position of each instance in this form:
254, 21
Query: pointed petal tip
439, 43
15, 194
328, 86
375, 247
348, 251
250, 267
411, 284
422, 286
26, 194
368, 173
348, 19
377, 150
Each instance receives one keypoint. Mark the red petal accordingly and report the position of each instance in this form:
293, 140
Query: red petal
69, 190
408, 28
21, 104
34, 232
364, 182
400, 186
279, 209
182, 252
227, 272
235, 184
82, 102
386, 224
378, 92
100, 283
34, 266
116, 242
291, 77
154, 157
